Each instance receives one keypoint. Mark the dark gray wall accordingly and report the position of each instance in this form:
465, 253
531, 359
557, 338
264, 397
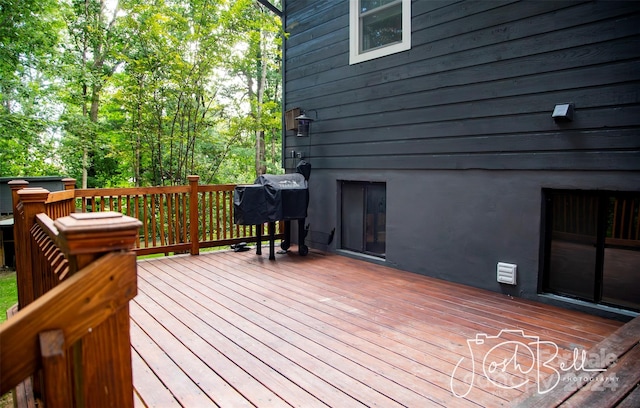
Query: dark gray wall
460, 126
51, 183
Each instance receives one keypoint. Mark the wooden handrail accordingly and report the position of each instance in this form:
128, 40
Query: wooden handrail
174, 218
76, 306
76, 273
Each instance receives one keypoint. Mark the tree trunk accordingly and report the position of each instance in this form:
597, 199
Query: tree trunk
261, 160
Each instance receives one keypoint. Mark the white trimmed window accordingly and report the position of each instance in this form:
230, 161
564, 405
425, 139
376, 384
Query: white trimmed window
378, 28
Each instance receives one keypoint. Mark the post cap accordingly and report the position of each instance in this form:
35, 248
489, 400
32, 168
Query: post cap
84, 233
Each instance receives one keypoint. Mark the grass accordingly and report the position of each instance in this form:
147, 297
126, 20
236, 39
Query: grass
8, 292
8, 298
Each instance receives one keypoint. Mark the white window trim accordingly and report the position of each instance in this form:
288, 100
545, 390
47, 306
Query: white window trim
355, 56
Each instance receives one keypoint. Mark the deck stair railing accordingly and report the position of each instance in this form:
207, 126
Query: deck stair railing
67, 342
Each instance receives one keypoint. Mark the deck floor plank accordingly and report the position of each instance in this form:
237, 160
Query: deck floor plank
191, 364
425, 323
324, 330
627, 373
198, 336
184, 390
362, 362
258, 342
280, 339
613, 373
632, 400
445, 298
402, 356
149, 386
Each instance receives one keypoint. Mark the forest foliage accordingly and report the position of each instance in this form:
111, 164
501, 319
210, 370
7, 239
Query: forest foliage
140, 92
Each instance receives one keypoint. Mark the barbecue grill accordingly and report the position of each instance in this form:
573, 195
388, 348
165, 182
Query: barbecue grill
271, 198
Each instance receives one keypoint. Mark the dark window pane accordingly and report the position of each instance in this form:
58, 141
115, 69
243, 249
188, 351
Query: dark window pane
621, 271
573, 245
363, 217
594, 246
382, 28
376, 219
352, 216
621, 277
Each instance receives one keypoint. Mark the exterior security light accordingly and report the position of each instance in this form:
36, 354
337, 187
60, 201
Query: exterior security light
563, 112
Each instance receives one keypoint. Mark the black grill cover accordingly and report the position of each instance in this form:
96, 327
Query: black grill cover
250, 205
273, 197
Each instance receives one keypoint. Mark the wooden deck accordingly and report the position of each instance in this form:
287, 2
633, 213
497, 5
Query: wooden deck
235, 329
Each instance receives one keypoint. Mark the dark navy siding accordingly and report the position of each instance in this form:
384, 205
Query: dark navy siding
477, 88
460, 129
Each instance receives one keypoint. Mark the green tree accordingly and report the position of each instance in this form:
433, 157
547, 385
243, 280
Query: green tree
145, 91
258, 35
94, 40
28, 43
170, 89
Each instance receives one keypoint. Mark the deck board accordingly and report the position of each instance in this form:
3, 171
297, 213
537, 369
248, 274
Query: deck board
235, 329
612, 380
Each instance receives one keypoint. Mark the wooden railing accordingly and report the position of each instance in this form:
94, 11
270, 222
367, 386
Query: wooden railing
174, 219
68, 342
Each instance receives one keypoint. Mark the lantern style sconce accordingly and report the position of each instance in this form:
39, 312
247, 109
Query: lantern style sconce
304, 125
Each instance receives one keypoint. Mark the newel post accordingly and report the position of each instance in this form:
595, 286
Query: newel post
102, 359
15, 186
69, 183
193, 214
31, 201
84, 237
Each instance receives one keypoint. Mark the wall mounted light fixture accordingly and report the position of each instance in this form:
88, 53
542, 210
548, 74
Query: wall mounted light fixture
304, 125
563, 112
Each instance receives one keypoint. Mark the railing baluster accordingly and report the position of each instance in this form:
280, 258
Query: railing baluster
211, 232
202, 209
218, 215
224, 215
145, 220
137, 216
162, 219
154, 229
184, 218
194, 237
615, 219
169, 219
176, 230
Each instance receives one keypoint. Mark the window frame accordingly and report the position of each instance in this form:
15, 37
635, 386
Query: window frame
360, 228
355, 33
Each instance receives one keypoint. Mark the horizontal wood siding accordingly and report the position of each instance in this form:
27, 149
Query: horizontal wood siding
476, 90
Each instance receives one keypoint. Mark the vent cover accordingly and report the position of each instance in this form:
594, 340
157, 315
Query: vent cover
507, 273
